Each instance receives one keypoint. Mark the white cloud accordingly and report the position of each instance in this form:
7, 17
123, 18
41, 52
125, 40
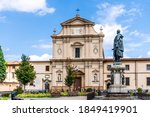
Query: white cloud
42, 46
30, 6
108, 13
148, 53
40, 58
134, 11
110, 32
134, 45
108, 16
137, 33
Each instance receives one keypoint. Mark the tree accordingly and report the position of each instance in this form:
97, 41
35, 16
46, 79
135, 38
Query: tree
2, 66
69, 80
25, 73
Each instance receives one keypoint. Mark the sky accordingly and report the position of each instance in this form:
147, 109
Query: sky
26, 26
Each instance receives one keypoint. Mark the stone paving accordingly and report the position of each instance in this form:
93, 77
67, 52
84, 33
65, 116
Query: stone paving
118, 98
60, 98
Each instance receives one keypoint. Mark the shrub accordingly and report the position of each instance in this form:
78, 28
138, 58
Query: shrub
30, 95
132, 93
64, 94
35, 91
19, 90
74, 93
3, 98
139, 90
148, 93
89, 90
96, 93
81, 93
55, 94
5, 95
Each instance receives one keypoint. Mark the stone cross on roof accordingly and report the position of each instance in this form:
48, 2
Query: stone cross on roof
77, 10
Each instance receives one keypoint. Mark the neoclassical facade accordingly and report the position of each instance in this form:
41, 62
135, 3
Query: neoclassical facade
81, 46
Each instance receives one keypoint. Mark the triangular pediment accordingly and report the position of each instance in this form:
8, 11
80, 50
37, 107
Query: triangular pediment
95, 70
77, 21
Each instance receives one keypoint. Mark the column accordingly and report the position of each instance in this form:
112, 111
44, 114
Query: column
64, 72
86, 66
85, 48
101, 74
64, 47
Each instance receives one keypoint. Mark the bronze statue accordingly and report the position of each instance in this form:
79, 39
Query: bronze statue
118, 47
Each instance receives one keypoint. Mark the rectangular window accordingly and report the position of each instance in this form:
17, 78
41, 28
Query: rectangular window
47, 68
108, 67
108, 76
13, 75
148, 81
127, 81
13, 67
148, 67
127, 67
32, 83
77, 52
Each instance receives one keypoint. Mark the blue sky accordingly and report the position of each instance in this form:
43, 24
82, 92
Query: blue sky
26, 26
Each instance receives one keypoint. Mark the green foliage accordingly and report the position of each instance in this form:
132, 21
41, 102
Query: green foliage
96, 93
19, 90
2, 66
148, 93
69, 80
131, 93
139, 90
25, 73
5, 95
64, 93
31, 95
4, 98
89, 90
81, 93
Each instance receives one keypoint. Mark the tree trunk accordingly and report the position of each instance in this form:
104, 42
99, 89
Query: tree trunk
24, 88
70, 88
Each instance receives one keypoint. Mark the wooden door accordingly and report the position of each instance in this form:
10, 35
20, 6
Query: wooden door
77, 83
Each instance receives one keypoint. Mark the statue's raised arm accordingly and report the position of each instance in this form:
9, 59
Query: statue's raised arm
118, 48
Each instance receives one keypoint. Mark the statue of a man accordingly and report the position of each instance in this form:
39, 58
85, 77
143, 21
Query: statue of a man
118, 47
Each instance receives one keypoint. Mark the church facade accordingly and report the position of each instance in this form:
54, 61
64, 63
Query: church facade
81, 46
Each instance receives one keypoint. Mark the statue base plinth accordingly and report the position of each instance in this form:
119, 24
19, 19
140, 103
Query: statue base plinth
118, 83
117, 89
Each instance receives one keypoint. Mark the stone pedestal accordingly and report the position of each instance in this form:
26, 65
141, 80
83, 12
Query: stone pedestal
117, 80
